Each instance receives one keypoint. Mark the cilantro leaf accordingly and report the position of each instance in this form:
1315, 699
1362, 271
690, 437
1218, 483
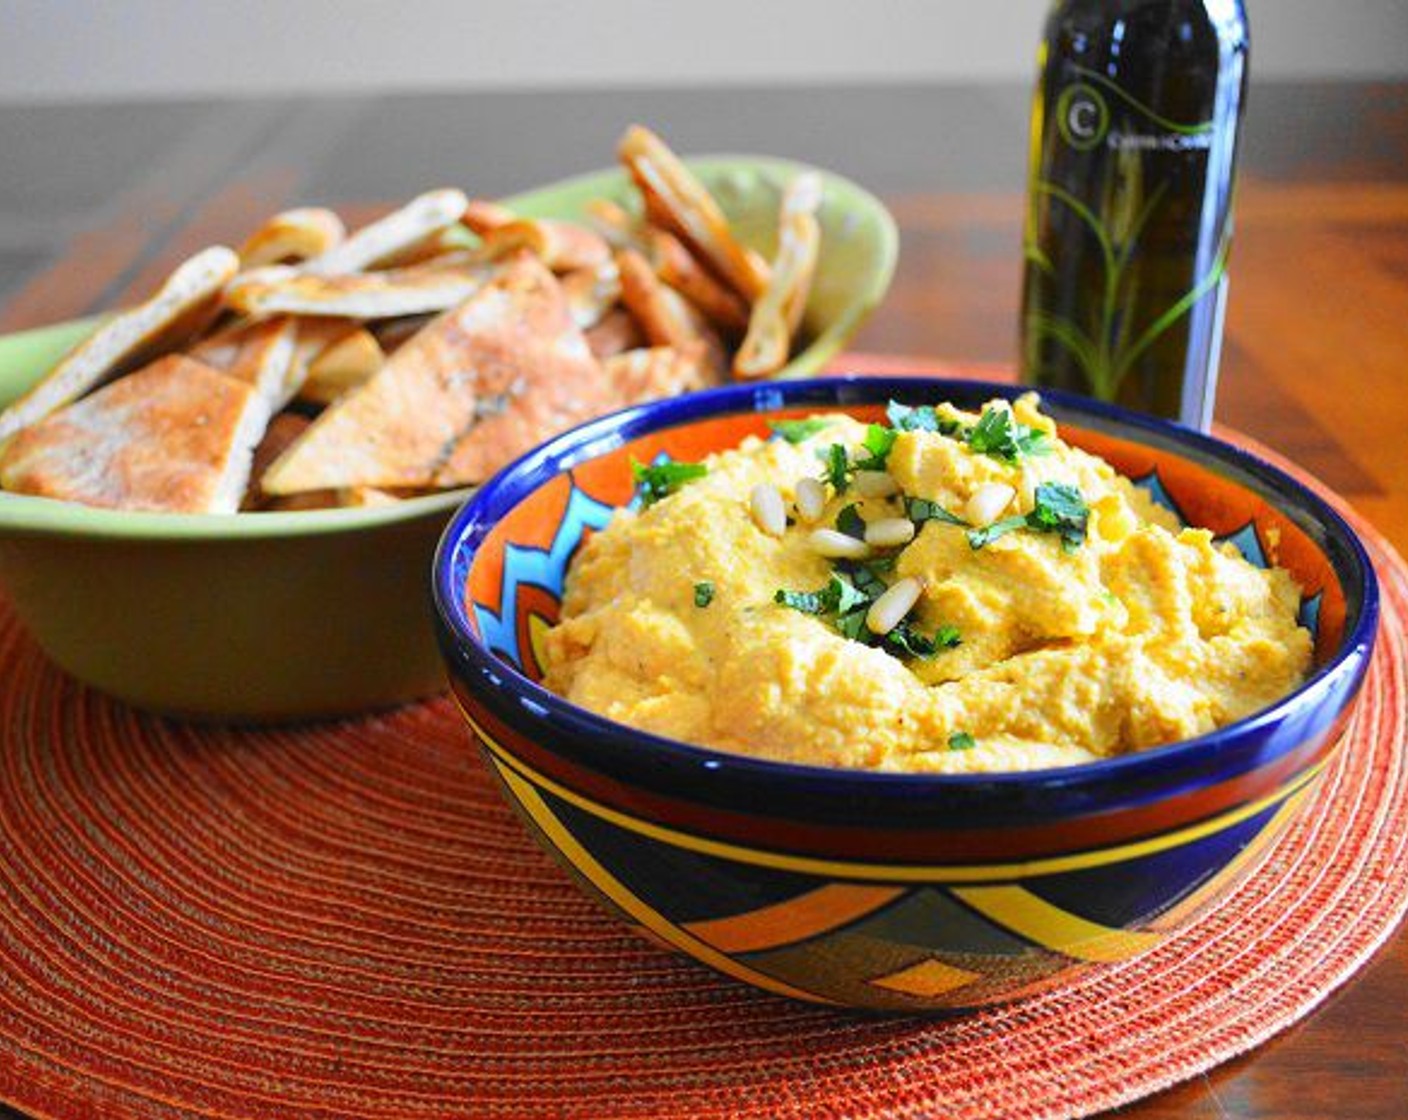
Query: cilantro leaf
920, 510
703, 594
977, 538
795, 431
1058, 507
999, 435
852, 624
923, 418
838, 467
837, 597
961, 741
850, 522
878, 441
660, 480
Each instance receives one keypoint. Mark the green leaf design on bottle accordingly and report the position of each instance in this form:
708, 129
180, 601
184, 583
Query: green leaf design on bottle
1107, 356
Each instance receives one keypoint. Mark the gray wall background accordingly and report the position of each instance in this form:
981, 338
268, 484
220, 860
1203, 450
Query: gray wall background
64, 50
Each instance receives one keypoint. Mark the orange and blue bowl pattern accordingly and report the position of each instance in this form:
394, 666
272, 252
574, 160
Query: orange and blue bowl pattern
874, 890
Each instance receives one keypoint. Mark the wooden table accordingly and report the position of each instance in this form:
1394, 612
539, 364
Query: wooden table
97, 202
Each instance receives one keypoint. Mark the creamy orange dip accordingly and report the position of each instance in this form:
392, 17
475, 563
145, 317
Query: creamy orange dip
1058, 615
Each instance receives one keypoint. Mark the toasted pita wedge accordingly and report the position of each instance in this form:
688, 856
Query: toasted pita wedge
282, 430
676, 265
392, 334
359, 295
478, 385
664, 316
592, 292
176, 436
482, 216
264, 354
183, 306
443, 247
778, 312
620, 228
396, 234
562, 246
294, 235
617, 332
347, 363
677, 200
660, 371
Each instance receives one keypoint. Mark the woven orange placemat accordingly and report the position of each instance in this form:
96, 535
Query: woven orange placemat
345, 920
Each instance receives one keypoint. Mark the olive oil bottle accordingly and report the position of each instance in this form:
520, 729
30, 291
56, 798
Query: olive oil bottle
1129, 221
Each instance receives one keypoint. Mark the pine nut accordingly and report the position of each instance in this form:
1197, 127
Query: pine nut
837, 546
811, 499
1026, 491
875, 484
889, 532
988, 502
769, 512
889, 610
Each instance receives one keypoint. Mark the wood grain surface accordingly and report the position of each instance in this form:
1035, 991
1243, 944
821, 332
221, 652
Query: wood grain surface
97, 201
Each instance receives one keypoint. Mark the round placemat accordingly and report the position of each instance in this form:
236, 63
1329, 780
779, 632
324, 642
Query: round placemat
345, 920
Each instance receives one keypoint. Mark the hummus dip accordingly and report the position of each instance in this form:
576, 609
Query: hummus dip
1017, 604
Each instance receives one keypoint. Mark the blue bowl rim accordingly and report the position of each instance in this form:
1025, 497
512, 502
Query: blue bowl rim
1150, 769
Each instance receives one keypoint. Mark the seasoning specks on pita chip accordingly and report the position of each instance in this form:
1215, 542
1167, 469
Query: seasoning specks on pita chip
182, 307
176, 436
509, 354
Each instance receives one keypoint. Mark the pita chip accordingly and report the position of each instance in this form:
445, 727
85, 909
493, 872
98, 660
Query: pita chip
350, 361
182, 307
293, 235
396, 234
562, 246
659, 371
479, 384
778, 312
263, 354
359, 295
176, 436
677, 200
618, 331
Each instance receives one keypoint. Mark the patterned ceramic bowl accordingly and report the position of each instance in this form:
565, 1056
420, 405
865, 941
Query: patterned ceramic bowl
894, 891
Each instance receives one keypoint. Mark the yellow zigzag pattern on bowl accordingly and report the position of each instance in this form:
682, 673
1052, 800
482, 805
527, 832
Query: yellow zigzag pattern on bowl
833, 907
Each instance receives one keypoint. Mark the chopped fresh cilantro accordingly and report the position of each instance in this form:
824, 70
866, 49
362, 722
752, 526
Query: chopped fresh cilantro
845, 602
867, 579
850, 522
920, 510
878, 441
978, 538
999, 435
703, 594
961, 741
837, 597
923, 418
907, 640
660, 480
1060, 508
852, 624
795, 431
1057, 508
838, 467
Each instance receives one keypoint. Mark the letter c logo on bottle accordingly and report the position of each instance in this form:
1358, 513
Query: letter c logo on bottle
1082, 116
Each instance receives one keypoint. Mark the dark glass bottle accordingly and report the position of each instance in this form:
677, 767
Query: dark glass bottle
1133, 145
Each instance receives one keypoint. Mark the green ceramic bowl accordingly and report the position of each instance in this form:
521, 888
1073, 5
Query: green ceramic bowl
281, 616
